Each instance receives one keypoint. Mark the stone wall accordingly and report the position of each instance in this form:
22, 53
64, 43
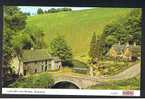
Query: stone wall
37, 66
40, 66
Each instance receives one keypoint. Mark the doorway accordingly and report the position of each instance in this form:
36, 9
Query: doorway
25, 72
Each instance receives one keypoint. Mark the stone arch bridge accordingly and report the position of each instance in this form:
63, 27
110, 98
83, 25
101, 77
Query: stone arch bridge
80, 82
86, 81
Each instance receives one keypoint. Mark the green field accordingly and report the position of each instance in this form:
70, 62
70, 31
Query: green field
129, 84
76, 26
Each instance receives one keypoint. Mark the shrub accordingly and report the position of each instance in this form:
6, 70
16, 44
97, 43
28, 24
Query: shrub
80, 67
113, 68
43, 80
79, 64
81, 71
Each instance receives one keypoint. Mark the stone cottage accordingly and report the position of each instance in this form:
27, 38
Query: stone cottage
35, 61
116, 51
126, 52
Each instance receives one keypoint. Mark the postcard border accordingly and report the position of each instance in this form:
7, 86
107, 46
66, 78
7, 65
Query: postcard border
78, 3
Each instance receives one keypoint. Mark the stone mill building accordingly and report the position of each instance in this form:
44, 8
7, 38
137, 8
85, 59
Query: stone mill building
35, 61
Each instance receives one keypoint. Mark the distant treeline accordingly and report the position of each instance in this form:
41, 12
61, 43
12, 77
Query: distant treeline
53, 10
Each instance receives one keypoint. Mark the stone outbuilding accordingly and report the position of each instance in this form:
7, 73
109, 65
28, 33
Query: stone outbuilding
35, 61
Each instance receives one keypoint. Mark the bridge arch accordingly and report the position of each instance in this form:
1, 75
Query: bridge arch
66, 84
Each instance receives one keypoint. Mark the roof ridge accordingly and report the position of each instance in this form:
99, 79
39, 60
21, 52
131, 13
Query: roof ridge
36, 54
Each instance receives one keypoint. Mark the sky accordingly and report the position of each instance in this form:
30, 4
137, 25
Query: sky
33, 9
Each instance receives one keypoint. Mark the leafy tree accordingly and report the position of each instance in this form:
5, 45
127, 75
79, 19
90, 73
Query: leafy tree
133, 26
14, 18
126, 29
93, 44
54, 10
35, 38
94, 48
110, 40
14, 21
18, 37
39, 11
60, 49
65, 9
27, 14
18, 43
46, 11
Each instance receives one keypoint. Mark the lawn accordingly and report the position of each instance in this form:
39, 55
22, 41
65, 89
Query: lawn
129, 84
39, 80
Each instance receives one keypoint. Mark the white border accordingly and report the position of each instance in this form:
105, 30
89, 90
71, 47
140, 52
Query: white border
30, 91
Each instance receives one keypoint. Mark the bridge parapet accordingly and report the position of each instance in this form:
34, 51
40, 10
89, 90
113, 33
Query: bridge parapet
81, 82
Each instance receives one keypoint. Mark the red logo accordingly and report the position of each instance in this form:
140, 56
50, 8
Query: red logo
128, 93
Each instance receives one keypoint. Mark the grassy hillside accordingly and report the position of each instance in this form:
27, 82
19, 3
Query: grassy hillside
76, 26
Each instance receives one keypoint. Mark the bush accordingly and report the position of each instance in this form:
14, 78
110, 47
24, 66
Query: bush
80, 67
43, 80
113, 68
79, 64
81, 71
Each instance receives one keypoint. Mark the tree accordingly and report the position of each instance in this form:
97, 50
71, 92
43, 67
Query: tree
27, 14
54, 10
14, 21
39, 11
45, 11
35, 38
128, 29
133, 26
65, 9
110, 40
94, 48
60, 49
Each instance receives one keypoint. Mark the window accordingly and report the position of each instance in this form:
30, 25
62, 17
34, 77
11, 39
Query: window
45, 62
25, 72
42, 67
45, 68
35, 70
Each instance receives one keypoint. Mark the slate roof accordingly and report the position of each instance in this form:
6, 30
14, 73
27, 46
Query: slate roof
118, 48
135, 49
36, 55
121, 48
